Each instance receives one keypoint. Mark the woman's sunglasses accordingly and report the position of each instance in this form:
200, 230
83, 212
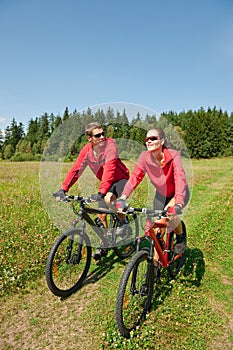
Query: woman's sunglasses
97, 136
152, 138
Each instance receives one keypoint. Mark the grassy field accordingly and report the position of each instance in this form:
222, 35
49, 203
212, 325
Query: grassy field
194, 312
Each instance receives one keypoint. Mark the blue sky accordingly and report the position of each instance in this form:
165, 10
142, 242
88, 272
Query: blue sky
164, 55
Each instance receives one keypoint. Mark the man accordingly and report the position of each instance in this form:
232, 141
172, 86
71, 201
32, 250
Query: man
101, 155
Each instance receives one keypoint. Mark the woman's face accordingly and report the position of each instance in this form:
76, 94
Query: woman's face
153, 141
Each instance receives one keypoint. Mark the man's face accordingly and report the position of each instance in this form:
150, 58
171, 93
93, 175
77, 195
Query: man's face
97, 138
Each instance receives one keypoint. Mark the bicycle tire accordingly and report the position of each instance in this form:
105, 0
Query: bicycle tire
125, 245
134, 293
177, 261
68, 262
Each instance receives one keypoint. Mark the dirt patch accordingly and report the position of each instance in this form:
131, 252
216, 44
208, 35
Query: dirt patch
39, 320
223, 341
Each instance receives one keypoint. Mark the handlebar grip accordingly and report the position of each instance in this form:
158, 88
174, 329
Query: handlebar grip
148, 211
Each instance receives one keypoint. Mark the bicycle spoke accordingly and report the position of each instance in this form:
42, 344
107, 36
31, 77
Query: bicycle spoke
134, 294
68, 263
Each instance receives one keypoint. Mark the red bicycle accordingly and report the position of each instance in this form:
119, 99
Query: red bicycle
155, 249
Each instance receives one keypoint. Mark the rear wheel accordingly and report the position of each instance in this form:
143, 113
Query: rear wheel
176, 260
68, 262
125, 243
134, 293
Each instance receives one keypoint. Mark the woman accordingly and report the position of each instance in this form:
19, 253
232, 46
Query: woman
164, 167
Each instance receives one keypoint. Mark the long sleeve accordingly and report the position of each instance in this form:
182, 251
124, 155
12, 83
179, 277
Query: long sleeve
180, 180
134, 180
76, 171
113, 168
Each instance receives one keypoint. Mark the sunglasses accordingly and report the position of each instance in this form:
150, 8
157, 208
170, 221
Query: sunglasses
152, 138
97, 136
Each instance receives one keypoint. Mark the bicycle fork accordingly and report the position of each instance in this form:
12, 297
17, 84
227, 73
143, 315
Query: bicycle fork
76, 256
141, 286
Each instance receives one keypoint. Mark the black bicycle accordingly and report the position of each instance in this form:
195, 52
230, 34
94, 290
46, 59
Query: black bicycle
69, 259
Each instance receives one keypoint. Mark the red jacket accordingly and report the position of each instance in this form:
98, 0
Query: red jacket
108, 169
169, 180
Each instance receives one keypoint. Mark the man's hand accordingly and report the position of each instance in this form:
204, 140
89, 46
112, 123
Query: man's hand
60, 195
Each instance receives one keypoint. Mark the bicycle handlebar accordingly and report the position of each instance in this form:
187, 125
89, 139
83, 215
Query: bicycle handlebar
130, 210
147, 211
76, 198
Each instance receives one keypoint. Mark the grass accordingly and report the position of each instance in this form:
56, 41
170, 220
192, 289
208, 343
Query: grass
193, 312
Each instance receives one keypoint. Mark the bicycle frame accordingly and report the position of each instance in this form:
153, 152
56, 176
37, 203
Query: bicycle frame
69, 258
159, 243
83, 216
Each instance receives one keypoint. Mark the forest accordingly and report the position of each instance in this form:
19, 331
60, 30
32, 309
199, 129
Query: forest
197, 134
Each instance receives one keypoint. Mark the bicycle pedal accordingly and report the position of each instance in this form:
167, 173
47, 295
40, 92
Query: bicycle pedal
97, 255
104, 251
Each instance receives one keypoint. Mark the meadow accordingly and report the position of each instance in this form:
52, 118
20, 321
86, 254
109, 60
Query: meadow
193, 312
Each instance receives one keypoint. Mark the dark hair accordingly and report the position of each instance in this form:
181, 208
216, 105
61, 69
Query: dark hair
162, 135
91, 126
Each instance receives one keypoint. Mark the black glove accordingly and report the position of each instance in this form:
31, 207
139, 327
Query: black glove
121, 204
98, 197
176, 210
60, 195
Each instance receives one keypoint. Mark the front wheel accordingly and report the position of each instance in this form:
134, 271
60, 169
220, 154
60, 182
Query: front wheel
134, 293
68, 262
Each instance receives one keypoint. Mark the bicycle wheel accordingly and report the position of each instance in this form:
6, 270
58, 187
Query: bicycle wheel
176, 260
68, 262
125, 244
134, 293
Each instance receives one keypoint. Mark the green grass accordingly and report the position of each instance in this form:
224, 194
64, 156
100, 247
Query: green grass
193, 312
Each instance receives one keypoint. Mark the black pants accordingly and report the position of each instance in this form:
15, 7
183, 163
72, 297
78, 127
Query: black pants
160, 201
116, 189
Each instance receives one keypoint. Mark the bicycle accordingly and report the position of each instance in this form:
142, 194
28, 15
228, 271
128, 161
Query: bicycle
69, 258
136, 287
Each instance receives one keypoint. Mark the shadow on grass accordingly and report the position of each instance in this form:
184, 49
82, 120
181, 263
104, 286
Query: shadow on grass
103, 267
194, 267
100, 269
191, 274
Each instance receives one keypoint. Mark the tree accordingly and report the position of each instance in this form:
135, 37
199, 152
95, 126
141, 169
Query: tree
43, 130
196, 134
100, 117
57, 122
24, 146
8, 151
1, 139
33, 131
13, 134
229, 150
110, 117
52, 124
66, 114
151, 121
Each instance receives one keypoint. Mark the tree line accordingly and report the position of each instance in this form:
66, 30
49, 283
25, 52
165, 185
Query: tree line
198, 134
